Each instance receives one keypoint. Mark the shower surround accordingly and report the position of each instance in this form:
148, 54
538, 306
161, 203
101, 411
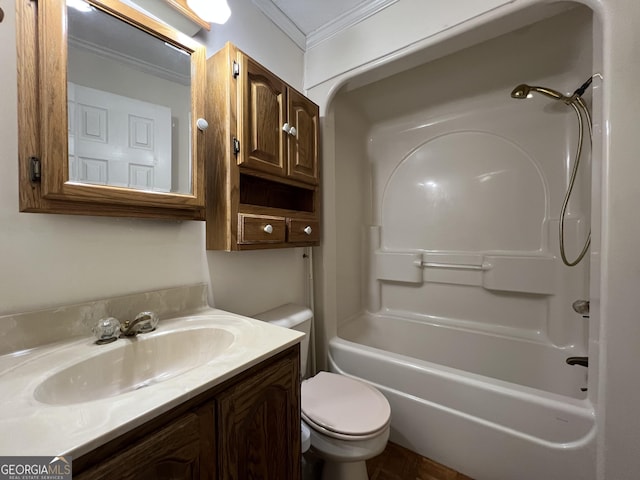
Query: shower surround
451, 295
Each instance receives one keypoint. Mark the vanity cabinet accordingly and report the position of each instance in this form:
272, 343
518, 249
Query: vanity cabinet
262, 165
248, 427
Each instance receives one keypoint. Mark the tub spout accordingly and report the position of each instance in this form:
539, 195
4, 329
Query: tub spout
582, 361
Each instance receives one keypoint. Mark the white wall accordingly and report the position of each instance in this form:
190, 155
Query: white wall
48, 260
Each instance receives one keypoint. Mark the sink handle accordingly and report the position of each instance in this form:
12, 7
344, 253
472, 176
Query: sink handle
107, 330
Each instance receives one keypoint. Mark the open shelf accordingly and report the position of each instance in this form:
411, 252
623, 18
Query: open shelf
266, 193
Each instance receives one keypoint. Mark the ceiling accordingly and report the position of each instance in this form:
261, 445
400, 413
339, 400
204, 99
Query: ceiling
309, 22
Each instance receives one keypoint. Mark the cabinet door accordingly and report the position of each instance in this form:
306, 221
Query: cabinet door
262, 116
172, 453
259, 429
303, 115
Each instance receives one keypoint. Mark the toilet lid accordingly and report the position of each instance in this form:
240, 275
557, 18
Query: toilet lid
344, 405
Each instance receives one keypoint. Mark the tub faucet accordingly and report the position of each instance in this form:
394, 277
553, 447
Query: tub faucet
143, 323
582, 361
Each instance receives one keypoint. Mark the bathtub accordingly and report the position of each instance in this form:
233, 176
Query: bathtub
491, 420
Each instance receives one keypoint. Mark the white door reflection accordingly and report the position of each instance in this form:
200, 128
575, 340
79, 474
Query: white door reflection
117, 140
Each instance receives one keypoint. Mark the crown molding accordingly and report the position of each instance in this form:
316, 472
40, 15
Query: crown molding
344, 21
133, 62
282, 22
347, 20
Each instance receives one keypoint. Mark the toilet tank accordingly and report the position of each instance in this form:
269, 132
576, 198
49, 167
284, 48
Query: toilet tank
296, 317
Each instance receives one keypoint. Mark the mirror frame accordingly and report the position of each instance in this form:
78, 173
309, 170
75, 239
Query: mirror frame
42, 120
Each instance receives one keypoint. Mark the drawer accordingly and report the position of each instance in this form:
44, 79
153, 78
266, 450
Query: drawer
303, 230
261, 229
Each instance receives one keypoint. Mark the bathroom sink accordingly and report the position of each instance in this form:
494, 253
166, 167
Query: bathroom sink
131, 364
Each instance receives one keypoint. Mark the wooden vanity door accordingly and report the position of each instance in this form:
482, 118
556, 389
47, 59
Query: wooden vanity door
259, 425
262, 114
303, 149
178, 451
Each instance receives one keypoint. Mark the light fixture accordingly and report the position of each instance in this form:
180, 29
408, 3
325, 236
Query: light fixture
213, 11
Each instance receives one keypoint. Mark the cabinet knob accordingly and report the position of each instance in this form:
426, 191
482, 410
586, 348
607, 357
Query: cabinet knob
293, 132
268, 228
308, 230
202, 124
287, 128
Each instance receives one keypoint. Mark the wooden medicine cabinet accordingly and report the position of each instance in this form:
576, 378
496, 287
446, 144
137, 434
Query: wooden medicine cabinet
110, 112
263, 185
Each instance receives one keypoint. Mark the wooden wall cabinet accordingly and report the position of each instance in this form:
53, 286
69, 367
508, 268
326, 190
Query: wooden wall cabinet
262, 163
278, 126
246, 428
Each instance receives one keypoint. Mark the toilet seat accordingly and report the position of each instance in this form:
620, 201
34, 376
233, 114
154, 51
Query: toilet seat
340, 436
344, 408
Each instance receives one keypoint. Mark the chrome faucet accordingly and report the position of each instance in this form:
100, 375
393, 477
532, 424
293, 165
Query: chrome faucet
143, 323
109, 329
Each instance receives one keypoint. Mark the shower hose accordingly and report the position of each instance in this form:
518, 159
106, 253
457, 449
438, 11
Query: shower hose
581, 109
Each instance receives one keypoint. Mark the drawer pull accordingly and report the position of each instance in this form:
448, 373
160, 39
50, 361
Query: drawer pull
308, 230
268, 228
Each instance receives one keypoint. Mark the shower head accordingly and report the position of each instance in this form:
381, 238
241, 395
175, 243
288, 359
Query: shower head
524, 91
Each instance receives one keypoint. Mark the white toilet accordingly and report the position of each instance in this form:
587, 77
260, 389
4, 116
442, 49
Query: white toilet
348, 419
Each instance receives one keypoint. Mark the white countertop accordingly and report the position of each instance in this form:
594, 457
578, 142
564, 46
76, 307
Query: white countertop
31, 427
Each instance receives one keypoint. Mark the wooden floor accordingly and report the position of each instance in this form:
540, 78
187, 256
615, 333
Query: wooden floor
398, 463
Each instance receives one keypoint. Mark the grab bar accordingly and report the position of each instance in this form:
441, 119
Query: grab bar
454, 266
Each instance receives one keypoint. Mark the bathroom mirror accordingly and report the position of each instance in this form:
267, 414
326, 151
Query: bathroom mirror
109, 107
